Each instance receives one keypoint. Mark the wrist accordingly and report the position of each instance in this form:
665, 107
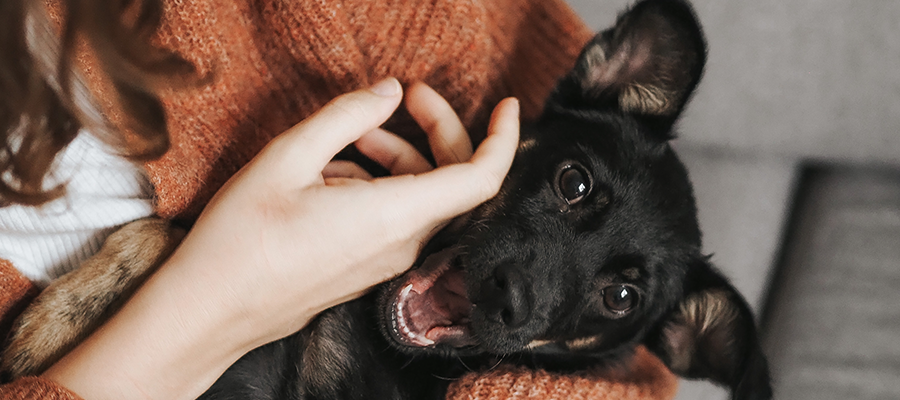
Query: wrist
167, 342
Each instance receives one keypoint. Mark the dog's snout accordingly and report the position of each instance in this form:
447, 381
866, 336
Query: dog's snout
504, 297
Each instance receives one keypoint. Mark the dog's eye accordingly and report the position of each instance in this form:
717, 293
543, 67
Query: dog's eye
574, 184
619, 298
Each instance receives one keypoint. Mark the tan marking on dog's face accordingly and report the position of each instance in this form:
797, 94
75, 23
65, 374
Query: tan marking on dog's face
583, 343
527, 144
631, 273
537, 343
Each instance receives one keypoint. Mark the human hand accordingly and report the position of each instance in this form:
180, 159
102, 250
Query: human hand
290, 235
314, 240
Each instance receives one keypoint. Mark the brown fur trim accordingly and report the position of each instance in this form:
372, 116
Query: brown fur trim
76, 304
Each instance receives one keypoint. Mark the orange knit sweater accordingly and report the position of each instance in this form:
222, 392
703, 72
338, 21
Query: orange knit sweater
276, 62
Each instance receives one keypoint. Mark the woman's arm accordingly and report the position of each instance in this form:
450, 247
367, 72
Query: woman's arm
280, 242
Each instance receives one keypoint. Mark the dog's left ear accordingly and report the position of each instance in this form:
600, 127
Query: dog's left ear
711, 334
648, 64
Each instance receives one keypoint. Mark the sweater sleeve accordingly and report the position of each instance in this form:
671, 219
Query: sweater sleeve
35, 388
16, 291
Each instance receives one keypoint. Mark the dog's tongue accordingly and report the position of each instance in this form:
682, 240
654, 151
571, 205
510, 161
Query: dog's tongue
432, 306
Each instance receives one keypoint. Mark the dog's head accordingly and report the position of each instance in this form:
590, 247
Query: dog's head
592, 244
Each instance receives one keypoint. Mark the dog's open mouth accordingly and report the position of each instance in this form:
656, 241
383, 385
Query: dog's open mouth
430, 306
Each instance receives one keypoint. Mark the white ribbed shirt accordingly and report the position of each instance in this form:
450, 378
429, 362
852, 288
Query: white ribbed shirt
103, 192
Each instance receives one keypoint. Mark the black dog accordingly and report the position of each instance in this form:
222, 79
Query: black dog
591, 248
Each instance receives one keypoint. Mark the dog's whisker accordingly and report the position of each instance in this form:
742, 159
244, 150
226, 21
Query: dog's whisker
408, 362
578, 318
497, 364
466, 366
444, 378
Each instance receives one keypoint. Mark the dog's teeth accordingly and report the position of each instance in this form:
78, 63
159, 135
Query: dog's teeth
406, 290
400, 323
401, 319
425, 340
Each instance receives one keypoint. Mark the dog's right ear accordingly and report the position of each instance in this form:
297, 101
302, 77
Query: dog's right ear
711, 334
648, 64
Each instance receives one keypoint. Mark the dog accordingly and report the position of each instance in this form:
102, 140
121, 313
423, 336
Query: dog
591, 248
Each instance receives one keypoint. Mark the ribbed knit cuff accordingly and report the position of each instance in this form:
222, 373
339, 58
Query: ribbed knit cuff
35, 388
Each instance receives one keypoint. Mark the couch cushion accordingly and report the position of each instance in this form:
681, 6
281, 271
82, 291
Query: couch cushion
833, 327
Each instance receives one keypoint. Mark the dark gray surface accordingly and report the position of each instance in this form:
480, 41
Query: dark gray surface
834, 327
742, 203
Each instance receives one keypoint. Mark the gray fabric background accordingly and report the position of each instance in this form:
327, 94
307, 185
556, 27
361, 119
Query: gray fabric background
798, 115
833, 331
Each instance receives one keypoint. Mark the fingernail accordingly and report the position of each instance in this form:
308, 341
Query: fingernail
389, 87
518, 106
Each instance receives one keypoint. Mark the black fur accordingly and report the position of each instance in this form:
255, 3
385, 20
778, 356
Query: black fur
591, 247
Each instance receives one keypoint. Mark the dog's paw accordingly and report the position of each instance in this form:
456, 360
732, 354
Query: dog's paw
73, 306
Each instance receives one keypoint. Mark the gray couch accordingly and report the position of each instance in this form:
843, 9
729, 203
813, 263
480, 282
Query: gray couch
793, 143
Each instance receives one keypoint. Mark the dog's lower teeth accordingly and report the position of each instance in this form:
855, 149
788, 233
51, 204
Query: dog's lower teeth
402, 325
432, 298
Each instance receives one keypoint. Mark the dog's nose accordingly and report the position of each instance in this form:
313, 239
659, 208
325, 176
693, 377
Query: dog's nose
504, 298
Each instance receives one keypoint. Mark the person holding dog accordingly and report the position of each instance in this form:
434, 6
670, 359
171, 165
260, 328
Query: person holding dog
208, 99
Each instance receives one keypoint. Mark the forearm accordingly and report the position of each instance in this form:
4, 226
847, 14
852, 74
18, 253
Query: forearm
168, 342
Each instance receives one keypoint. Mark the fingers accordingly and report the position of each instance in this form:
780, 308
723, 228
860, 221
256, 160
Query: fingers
450, 143
345, 169
447, 136
305, 149
496, 153
393, 153
454, 189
